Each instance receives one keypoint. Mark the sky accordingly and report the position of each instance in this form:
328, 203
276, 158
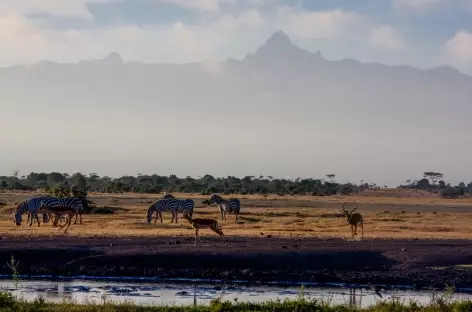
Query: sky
148, 123
420, 33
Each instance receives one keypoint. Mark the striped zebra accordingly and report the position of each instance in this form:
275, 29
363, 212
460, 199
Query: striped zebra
186, 207
70, 202
226, 206
31, 207
163, 205
174, 206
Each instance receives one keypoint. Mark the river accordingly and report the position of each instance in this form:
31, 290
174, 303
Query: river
147, 293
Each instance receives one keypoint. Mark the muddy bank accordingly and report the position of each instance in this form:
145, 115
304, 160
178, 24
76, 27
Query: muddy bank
421, 263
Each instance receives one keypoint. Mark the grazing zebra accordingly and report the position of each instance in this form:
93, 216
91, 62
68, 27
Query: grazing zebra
226, 206
31, 207
69, 202
161, 205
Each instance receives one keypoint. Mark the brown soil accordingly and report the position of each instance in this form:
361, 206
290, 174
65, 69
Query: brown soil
420, 263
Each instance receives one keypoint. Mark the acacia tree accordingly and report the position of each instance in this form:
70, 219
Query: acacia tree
331, 177
433, 176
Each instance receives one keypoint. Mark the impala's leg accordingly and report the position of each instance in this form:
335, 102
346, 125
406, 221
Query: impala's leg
57, 218
355, 229
68, 223
219, 232
362, 228
352, 231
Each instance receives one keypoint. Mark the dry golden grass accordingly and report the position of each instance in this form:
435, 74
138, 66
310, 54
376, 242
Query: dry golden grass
387, 214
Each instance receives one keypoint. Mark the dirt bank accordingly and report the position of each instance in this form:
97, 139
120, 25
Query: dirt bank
423, 263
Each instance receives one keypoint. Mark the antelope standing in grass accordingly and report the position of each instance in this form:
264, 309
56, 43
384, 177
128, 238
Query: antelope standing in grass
59, 211
200, 223
353, 219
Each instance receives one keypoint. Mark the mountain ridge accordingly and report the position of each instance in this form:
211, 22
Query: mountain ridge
279, 41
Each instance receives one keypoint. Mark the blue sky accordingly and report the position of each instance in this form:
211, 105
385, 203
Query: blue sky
420, 33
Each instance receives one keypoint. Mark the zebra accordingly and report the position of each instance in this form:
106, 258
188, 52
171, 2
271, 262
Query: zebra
31, 207
160, 205
226, 206
186, 207
71, 202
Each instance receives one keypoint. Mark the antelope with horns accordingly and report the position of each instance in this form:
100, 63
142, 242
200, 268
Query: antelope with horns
353, 219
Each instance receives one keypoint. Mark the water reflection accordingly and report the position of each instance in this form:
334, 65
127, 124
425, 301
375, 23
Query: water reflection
199, 294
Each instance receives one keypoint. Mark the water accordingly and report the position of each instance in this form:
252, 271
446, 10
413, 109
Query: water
83, 292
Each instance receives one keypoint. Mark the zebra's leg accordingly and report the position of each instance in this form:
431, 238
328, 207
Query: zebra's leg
157, 215
28, 220
176, 217
80, 216
160, 215
196, 235
37, 218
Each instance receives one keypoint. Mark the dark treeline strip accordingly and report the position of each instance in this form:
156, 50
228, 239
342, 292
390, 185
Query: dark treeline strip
78, 183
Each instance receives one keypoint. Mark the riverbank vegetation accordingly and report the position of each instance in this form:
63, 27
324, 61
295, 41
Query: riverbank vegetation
8, 303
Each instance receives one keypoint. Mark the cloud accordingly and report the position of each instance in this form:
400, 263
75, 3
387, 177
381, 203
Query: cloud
386, 37
424, 5
459, 48
416, 4
321, 24
68, 8
201, 5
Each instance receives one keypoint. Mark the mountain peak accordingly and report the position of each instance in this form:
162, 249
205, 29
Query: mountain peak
279, 39
113, 57
279, 48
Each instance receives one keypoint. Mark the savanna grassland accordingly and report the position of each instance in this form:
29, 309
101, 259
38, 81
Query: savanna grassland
387, 214
410, 237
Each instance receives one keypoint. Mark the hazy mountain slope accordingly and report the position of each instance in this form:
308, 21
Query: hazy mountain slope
277, 96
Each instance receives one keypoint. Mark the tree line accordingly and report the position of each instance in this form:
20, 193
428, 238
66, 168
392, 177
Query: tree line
62, 184
78, 184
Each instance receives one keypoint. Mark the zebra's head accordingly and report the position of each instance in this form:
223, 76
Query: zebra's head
215, 199
19, 212
187, 216
149, 213
167, 195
